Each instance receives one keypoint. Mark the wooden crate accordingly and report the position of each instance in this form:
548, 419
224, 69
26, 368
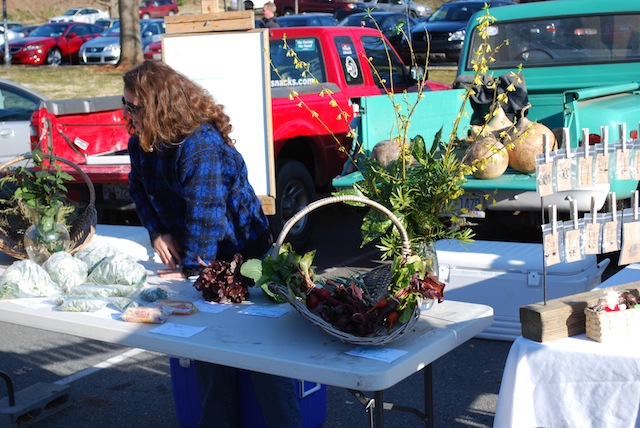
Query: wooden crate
563, 317
210, 22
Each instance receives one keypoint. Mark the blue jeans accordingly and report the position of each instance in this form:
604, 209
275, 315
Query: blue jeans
219, 392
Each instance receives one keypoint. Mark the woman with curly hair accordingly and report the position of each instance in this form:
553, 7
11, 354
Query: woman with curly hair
191, 191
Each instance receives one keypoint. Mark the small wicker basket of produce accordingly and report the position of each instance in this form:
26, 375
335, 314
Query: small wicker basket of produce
373, 308
80, 217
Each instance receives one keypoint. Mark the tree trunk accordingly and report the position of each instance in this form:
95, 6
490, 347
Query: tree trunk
130, 44
111, 6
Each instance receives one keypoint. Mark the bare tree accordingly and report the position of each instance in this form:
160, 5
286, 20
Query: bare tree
130, 43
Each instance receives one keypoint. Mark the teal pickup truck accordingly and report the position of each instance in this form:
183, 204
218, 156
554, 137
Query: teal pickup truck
581, 64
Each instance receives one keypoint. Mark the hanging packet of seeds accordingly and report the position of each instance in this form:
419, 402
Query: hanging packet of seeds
623, 154
565, 165
635, 158
630, 252
573, 230
611, 227
585, 155
601, 169
592, 237
544, 169
552, 239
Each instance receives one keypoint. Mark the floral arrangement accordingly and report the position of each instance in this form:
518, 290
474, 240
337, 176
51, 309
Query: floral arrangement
420, 187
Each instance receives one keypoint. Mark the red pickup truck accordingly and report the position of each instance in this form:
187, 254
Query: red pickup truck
91, 132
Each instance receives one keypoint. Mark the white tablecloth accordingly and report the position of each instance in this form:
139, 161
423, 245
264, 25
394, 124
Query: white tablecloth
573, 382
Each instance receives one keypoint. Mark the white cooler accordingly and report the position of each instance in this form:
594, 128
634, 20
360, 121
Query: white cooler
508, 275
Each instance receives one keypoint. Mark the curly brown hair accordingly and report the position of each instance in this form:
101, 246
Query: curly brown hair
173, 106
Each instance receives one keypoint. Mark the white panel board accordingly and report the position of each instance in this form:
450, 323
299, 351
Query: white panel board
233, 67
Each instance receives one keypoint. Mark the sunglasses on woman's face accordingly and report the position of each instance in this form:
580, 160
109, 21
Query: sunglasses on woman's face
130, 107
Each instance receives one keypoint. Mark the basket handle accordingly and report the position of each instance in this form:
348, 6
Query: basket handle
83, 175
406, 244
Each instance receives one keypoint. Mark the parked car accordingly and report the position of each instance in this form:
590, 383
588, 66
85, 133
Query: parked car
388, 22
17, 106
107, 23
105, 49
157, 8
403, 6
446, 29
153, 51
308, 20
88, 15
288, 7
11, 35
52, 43
25, 30
12, 25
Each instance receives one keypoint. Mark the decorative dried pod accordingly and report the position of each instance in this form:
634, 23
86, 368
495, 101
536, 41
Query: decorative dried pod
387, 151
489, 156
499, 122
525, 141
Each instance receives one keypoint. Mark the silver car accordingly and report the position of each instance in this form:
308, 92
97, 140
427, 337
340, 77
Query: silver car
17, 104
105, 49
410, 7
81, 14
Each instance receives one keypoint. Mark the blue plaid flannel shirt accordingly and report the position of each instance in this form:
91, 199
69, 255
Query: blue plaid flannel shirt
199, 192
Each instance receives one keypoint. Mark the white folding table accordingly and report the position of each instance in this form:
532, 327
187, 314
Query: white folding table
288, 346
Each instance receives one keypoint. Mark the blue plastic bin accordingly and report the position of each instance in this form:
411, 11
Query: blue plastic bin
312, 398
186, 394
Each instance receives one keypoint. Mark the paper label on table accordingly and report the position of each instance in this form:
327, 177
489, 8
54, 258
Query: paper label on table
386, 355
551, 249
210, 307
545, 179
610, 237
563, 175
572, 246
265, 311
592, 238
585, 172
602, 169
179, 330
630, 252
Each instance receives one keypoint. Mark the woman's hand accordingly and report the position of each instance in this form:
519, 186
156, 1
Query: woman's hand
169, 250
171, 273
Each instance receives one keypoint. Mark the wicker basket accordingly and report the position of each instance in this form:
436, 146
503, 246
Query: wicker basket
81, 230
376, 281
603, 326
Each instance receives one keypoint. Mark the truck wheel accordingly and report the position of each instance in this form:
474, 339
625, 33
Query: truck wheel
54, 57
146, 16
288, 11
294, 191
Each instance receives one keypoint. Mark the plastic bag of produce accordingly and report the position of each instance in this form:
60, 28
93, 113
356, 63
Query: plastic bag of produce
104, 290
123, 303
78, 304
25, 278
95, 253
66, 270
118, 269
